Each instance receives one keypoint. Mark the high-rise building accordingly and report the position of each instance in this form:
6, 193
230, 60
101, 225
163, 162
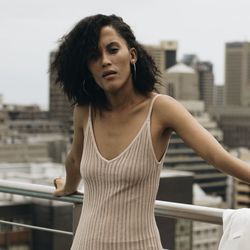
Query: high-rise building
240, 190
26, 134
13, 237
218, 96
175, 186
43, 214
206, 83
235, 124
182, 82
59, 106
205, 74
190, 60
170, 51
164, 56
24, 152
237, 74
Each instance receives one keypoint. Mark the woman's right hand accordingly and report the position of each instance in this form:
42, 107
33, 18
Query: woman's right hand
59, 184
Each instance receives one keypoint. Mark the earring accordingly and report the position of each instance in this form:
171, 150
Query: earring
134, 69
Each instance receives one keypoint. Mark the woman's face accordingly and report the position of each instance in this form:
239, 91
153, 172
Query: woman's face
111, 66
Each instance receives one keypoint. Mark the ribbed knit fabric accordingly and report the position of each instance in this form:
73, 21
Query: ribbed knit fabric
119, 195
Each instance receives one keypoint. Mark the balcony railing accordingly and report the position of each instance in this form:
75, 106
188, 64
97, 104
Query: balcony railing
162, 208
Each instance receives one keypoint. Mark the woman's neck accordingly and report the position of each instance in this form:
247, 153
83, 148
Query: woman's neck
125, 101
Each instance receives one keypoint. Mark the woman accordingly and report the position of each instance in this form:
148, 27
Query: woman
121, 133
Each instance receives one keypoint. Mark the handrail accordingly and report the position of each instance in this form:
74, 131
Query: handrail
162, 208
36, 227
36, 190
187, 211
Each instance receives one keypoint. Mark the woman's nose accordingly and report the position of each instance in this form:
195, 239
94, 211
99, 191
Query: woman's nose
105, 60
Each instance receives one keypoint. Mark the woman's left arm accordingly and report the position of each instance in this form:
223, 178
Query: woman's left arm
198, 138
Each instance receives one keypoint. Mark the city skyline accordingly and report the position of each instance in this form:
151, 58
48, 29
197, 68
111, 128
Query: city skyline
29, 31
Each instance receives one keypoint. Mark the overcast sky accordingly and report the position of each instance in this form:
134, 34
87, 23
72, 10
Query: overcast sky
29, 30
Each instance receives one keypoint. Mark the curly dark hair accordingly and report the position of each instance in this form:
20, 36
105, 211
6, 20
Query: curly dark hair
80, 45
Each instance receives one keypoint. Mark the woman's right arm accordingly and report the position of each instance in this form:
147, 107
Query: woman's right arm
73, 159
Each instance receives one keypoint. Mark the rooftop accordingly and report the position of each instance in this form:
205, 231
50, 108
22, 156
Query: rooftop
181, 68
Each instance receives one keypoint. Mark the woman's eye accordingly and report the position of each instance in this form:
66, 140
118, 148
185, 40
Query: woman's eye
113, 50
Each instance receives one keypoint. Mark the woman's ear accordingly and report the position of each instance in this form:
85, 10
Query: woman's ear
133, 55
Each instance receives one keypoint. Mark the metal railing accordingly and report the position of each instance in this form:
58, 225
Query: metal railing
162, 208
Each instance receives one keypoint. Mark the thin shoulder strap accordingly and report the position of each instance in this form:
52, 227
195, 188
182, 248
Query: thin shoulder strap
151, 106
89, 118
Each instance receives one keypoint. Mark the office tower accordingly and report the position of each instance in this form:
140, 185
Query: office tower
170, 52
25, 112
233, 117
205, 74
182, 157
218, 96
11, 236
182, 82
164, 56
240, 190
190, 60
4, 129
47, 214
237, 74
24, 152
206, 83
59, 106
33, 211
235, 124
242, 194
27, 135
175, 186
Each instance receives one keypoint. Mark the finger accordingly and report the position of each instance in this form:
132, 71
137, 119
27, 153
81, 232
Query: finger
58, 182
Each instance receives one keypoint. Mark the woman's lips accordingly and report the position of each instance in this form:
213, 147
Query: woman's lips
108, 73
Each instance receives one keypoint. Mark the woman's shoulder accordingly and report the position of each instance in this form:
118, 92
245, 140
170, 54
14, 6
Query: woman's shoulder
164, 102
81, 113
166, 108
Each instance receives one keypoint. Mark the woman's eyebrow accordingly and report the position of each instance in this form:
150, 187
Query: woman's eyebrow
112, 43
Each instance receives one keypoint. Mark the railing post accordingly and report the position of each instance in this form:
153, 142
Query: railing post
77, 209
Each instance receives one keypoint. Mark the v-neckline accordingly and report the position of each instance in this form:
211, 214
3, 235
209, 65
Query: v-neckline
124, 150
147, 120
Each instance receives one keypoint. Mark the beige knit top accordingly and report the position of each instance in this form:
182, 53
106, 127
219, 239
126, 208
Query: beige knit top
119, 195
